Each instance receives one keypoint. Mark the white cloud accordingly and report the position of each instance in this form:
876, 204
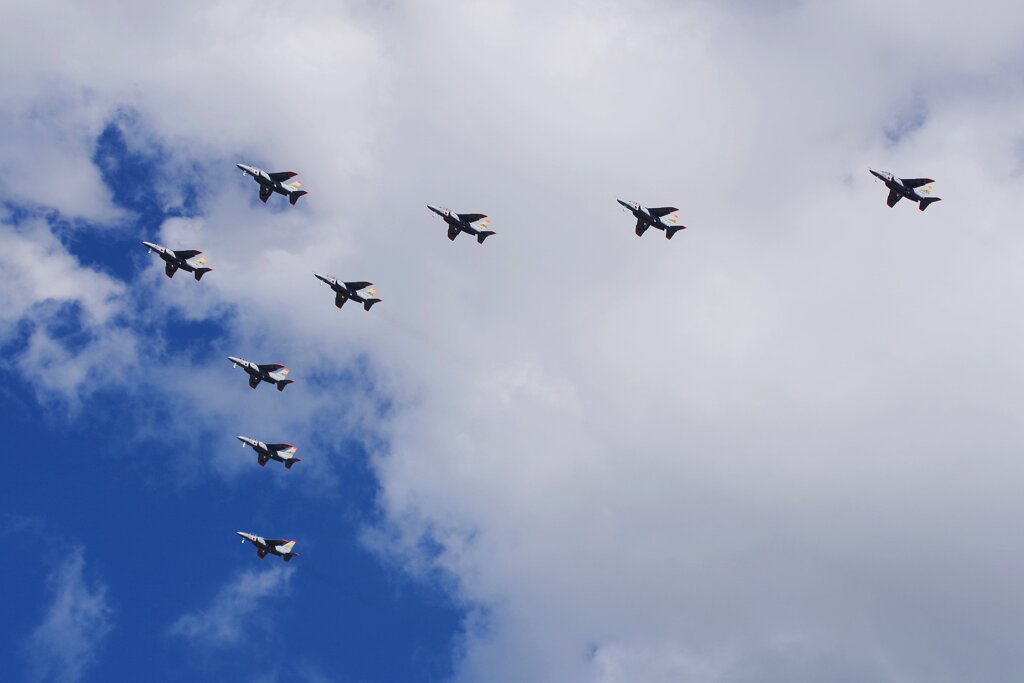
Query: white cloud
783, 437
47, 290
234, 609
77, 622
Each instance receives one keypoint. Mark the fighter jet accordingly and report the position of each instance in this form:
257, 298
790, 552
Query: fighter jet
274, 182
463, 222
281, 452
274, 373
186, 260
267, 545
907, 187
343, 291
663, 218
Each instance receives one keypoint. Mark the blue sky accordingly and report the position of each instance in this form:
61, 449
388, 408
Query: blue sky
163, 544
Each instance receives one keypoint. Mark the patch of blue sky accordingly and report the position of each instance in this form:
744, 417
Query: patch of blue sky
909, 120
107, 477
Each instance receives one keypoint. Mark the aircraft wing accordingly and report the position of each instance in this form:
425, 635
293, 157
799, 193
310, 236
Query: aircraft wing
453, 231
278, 447
274, 542
170, 269
662, 211
282, 175
894, 197
641, 227
915, 182
270, 367
263, 459
356, 286
472, 217
265, 193
187, 253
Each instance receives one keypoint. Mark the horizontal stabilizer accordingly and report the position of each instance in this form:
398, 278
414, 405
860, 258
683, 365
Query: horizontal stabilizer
482, 235
294, 196
200, 272
672, 230
291, 461
370, 302
282, 383
925, 201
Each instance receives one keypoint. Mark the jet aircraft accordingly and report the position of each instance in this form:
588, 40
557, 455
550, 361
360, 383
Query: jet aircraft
915, 189
663, 218
274, 182
267, 545
185, 259
464, 222
343, 291
273, 373
281, 452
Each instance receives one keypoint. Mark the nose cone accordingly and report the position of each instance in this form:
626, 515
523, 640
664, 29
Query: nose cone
236, 360
150, 245
324, 278
877, 174
627, 205
244, 168
244, 439
436, 209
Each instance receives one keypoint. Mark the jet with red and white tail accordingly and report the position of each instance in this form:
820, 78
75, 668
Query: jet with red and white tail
281, 548
272, 373
470, 223
663, 218
184, 259
281, 452
361, 292
275, 182
915, 189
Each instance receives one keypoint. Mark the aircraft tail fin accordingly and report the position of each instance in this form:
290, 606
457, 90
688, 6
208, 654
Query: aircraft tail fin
482, 235
925, 201
282, 383
200, 272
370, 302
671, 230
294, 196
290, 461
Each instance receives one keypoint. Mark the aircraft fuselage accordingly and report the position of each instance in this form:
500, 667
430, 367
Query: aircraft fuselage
264, 179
